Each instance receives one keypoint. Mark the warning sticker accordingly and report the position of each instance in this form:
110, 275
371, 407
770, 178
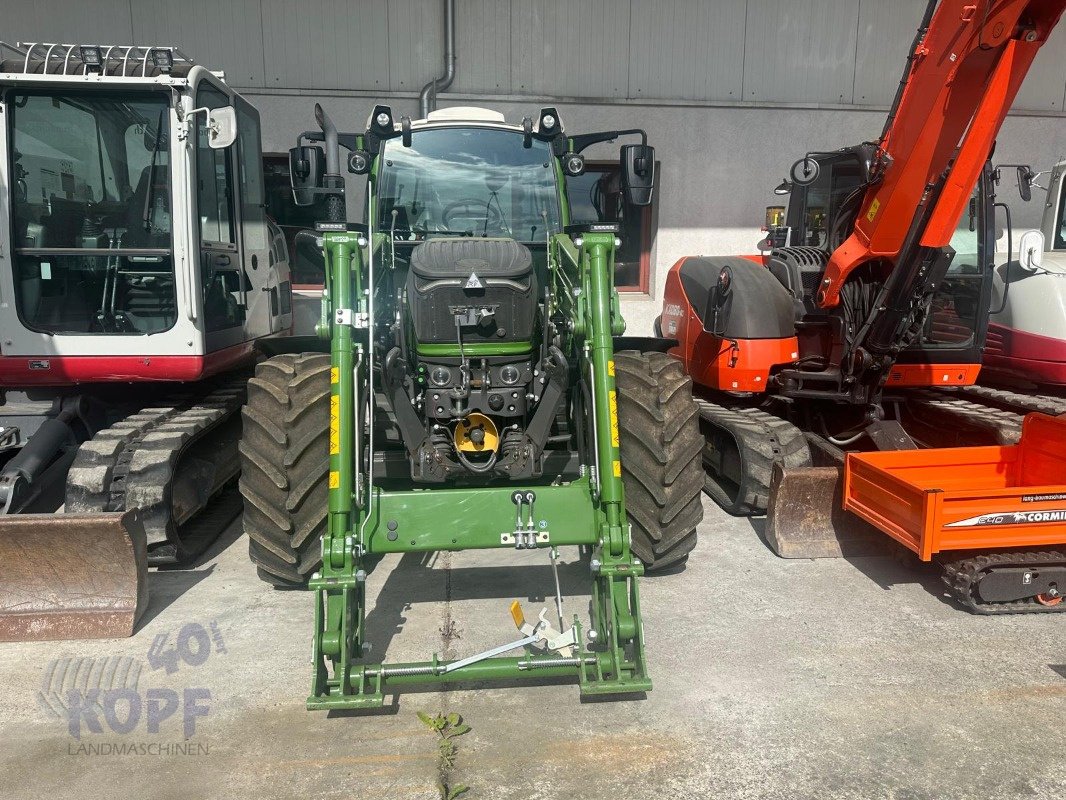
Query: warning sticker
617, 468
610, 367
874, 207
334, 479
334, 375
612, 400
334, 425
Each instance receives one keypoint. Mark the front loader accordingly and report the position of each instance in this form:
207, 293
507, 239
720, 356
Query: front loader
470, 398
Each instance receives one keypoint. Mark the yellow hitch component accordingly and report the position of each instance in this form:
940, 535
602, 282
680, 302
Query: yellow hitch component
518, 615
476, 426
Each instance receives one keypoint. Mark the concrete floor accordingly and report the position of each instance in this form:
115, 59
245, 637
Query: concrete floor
773, 679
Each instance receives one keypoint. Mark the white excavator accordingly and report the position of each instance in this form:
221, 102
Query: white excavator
1026, 341
139, 275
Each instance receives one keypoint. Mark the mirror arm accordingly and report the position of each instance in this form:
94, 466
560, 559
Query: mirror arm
585, 140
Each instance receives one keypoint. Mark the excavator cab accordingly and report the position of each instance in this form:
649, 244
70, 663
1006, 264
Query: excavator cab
819, 214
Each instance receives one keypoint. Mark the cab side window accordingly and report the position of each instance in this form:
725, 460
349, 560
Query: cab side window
253, 195
214, 195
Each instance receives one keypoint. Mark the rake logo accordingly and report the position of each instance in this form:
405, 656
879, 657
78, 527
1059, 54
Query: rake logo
67, 678
105, 694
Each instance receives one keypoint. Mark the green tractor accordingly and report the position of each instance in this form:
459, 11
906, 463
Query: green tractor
472, 397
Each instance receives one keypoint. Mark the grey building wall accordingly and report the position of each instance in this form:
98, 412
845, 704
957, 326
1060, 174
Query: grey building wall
730, 91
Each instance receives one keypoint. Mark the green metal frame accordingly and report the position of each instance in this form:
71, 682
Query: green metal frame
366, 521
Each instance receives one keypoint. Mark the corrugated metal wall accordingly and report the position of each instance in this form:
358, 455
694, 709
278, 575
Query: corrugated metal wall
766, 52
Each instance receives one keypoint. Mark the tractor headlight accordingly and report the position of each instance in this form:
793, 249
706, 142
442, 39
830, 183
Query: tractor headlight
549, 122
510, 374
382, 120
574, 164
440, 376
359, 162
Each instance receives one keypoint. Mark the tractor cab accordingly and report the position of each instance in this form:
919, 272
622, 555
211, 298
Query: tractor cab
462, 210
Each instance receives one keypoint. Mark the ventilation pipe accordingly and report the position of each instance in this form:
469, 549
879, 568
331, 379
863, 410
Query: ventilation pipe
427, 98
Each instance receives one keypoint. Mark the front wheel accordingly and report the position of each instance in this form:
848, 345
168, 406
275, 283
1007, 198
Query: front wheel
285, 466
660, 445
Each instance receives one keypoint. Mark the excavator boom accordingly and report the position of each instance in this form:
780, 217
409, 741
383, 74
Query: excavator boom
968, 62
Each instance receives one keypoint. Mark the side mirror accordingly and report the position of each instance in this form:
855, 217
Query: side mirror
221, 127
783, 188
805, 171
307, 166
1026, 176
638, 173
1031, 250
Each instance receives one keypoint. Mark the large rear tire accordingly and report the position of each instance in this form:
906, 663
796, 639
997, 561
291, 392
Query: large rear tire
660, 444
285, 466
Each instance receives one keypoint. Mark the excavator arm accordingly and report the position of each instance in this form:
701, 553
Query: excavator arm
968, 61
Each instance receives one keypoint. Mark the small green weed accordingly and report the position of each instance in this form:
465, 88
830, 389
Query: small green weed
447, 727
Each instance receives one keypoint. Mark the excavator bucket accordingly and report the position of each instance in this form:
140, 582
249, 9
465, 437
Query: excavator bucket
71, 576
805, 516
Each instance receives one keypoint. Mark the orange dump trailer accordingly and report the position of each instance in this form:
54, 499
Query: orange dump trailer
1000, 500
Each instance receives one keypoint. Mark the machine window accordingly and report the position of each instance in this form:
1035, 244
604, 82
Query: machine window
305, 261
953, 316
468, 182
253, 195
596, 196
214, 198
91, 211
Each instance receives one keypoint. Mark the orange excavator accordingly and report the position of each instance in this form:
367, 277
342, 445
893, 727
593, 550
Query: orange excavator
818, 362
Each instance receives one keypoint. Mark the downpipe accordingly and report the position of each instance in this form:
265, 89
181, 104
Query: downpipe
427, 98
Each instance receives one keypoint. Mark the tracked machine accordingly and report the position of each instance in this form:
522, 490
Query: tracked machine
816, 363
471, 398
137, 274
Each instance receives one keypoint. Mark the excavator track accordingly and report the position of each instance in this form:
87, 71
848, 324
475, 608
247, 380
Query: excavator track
172, 461
742, 444
971, 423
1012, 401
964, 578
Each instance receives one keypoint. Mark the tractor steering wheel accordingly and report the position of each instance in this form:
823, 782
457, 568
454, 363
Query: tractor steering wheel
479, 213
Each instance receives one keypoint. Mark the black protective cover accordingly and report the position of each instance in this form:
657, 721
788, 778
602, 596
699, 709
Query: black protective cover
756, 306
438, 287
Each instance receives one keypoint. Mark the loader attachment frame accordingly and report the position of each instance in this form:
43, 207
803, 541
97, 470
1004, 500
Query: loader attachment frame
366, 521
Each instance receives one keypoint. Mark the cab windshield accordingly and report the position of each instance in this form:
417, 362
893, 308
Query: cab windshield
91, 212
468, 182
